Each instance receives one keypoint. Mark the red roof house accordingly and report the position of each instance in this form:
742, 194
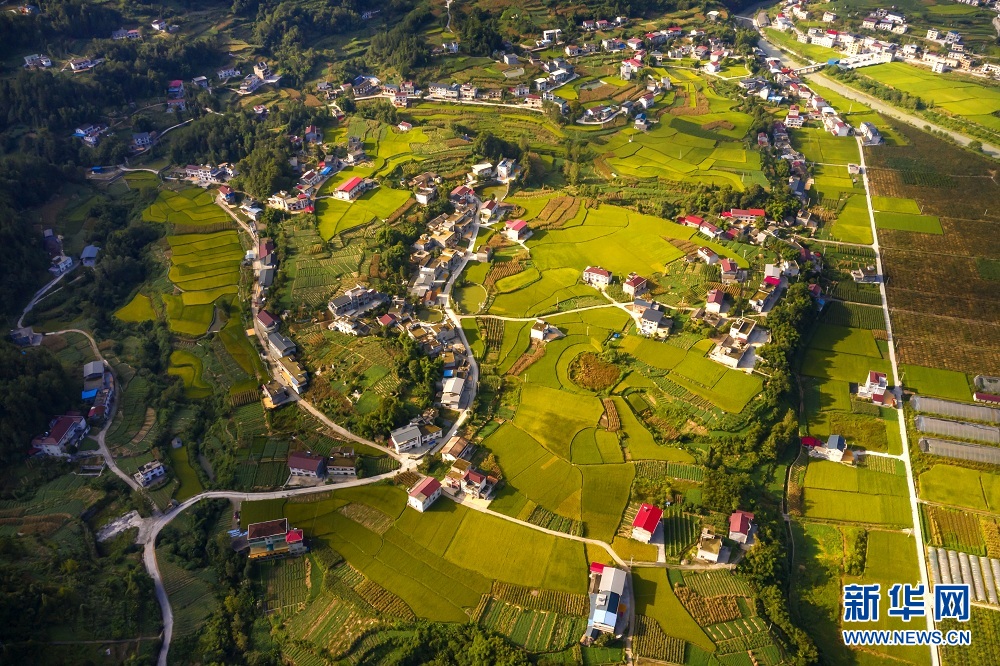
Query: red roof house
294, 536
741, 526
811, 441
646, 522
596, 567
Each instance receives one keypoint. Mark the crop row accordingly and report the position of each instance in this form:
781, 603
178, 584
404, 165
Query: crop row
649, 640
540, 599
718, 583
711, 610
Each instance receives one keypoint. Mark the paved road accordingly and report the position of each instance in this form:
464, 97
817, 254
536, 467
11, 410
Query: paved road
41, 293
911, 485
893, 112
109, 459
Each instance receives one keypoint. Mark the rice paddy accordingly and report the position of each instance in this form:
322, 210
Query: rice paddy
205, 268
193, 207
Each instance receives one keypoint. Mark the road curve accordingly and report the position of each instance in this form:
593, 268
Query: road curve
109, 459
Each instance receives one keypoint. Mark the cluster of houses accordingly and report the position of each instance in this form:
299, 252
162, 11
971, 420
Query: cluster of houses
736, 349
463, 478
281, 350
59, 261
98, 391
742, 531
350, 306
37, 61
206, 175
261, 76
420, 432
865, 50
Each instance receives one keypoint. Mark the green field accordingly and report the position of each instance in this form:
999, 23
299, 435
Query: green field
655, 599
853, 224
959, 486
656, 354
617, 239
895, 205
336, 216
925, 224
857, 341
205, 267
936, 382
181, 467
961, 97
139, 309
833, 491
891, 558
841, 365
437, 562
190, 207
189, 368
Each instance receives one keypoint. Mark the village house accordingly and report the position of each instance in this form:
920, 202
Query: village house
835, 450
301, 463
342, 461
730, 271
597, 277
150, 473
710, 548
353, 188
635, 285
542, 331
646, 522
424, 494
451, 393
517, 231
715, 301
64, 432
876, 388
457, 448
490, 211
742, 528
708, 255
355, 300
290, 203
740, 215
274, 395
279, 345
866, 275
273, 538
653, 323
608, 612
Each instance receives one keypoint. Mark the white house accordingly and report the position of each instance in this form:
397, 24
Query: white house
596, 276
715, 301
834, 450
149, 473
876, 388
710, 548
646, 522
63, 432
742, 528
424, 494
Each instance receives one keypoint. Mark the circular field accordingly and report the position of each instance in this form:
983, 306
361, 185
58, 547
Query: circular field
590, 371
